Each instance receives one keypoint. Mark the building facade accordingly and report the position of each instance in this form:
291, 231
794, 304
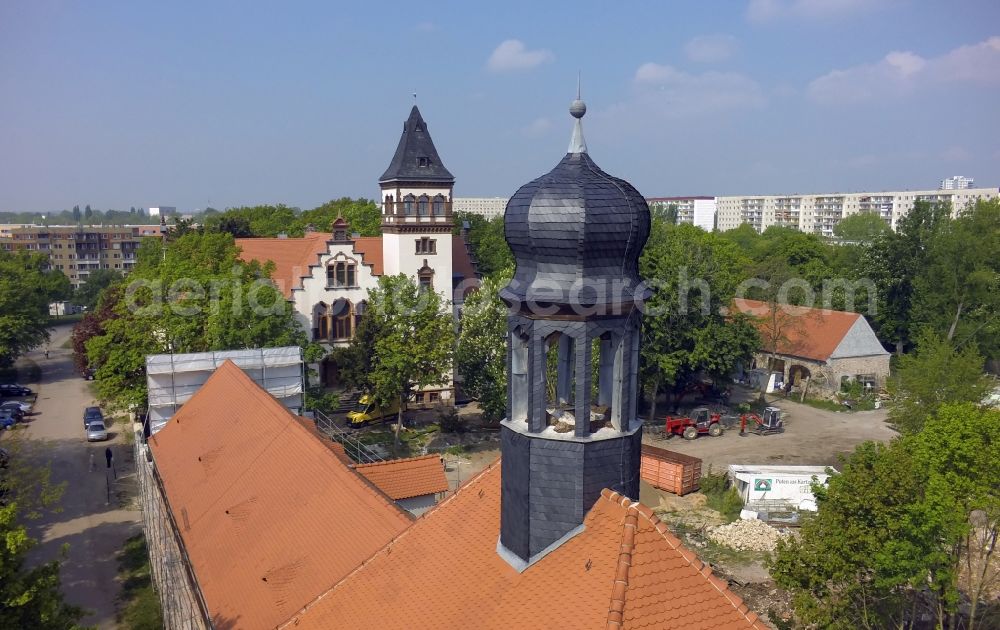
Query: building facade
699, 211
957, 182
79, 250
819, 213
489, 207
327, 275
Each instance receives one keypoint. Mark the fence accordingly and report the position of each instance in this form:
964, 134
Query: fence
171, 578
355, 448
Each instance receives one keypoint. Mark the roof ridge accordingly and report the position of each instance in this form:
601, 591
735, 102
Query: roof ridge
616, 610
633, 510
293, 619
397, 460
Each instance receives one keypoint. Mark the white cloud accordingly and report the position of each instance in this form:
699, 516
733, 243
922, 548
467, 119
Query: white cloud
537, 127
901, 72
676, 93
711, 48
769, 10
512, 54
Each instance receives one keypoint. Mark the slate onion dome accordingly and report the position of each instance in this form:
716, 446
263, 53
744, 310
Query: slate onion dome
576, 234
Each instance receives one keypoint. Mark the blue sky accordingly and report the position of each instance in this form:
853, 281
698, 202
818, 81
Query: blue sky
125, 103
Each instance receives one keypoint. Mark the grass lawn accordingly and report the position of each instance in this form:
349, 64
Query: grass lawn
140, 605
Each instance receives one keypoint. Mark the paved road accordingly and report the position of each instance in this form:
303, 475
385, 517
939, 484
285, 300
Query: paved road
94, 529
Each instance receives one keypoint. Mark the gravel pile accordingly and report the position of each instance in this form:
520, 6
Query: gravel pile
747, 536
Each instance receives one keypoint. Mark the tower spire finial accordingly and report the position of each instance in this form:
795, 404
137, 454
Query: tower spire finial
577, 109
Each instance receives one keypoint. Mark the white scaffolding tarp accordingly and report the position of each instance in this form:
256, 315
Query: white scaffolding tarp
172, 379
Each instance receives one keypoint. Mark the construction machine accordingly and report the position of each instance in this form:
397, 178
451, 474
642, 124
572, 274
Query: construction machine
762, 424
700, 422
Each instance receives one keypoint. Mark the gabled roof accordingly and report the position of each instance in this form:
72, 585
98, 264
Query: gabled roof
294, 257
416, 144
624, 570
405, 478
268, 516
811, 333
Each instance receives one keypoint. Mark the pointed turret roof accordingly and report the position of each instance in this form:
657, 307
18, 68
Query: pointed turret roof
416, 159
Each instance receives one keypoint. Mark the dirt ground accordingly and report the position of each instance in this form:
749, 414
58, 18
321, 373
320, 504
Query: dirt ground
812, 437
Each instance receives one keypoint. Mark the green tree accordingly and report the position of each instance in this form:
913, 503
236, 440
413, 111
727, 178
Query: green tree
861, 227
892, 261
93, 324
902, 530
263, 220
87, 212
685, 331
481, 355
363, 215
29, 597
935, 374
957, 292
88, 293
194, 296
76, 214
489, 244
26, 288
413, 341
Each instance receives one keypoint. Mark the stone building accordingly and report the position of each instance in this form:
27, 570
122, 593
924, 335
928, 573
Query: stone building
828, 347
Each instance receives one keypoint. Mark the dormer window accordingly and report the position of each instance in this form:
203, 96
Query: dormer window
423, 162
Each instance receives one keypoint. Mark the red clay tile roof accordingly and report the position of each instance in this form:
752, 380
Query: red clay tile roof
809, 333
334, 447
268, 517
294, 257
624, 570
405, 478
461, 264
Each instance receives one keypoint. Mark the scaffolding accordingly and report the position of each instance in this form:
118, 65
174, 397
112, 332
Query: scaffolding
172, 379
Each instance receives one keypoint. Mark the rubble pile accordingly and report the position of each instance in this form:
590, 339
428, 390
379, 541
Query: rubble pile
747, 536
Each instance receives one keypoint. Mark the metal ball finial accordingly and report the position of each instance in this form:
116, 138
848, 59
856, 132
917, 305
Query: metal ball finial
577, 108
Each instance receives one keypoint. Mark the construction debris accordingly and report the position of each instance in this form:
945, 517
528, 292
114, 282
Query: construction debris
747, 536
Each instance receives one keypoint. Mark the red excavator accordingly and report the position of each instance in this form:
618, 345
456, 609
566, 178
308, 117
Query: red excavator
770, 422
700, 422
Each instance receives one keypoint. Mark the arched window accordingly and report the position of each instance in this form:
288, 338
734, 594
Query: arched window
425, 277
422, 206
408, 205
438, 205
342, 324
388, 207
359, 311
321, 322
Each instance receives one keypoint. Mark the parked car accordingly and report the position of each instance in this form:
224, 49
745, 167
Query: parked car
92, 414
7, 419
25, 407
96, 431
87, 374
13, 389
13, 411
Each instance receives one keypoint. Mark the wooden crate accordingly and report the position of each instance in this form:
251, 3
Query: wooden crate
670, 471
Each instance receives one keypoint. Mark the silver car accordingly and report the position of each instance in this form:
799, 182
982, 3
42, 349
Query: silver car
96, 432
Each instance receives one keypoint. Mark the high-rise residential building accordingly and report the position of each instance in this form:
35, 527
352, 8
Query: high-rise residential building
698, 211
957, 182
820, 212
163, 211
488, 207
79, 250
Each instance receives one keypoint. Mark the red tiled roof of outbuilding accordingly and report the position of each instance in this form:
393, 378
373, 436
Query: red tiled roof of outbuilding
810, 333
405, 478
624, 570
268, 517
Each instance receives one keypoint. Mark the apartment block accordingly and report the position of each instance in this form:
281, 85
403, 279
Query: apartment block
488, 207
79, 250
957, 182
698, 211
819, 213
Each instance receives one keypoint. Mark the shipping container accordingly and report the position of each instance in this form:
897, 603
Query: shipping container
670, 471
